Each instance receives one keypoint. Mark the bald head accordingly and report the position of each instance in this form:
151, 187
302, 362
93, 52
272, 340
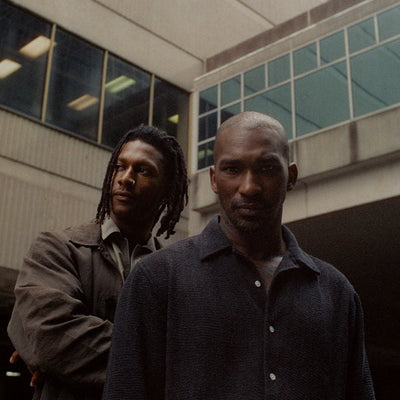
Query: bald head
252, 120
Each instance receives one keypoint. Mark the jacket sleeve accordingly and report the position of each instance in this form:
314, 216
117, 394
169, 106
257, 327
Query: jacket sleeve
359, 383
50, 326
136, 366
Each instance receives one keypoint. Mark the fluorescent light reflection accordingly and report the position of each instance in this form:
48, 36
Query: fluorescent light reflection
7, 67
83, 102
36, 47
120, 83
174, 119
13, 374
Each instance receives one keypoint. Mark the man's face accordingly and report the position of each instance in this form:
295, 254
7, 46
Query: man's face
138, 184
251, 177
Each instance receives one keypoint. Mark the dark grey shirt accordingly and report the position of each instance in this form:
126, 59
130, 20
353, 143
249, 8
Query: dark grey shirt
194, 322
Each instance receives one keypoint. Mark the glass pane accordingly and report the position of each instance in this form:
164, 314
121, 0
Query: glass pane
361, 35
254, 80
208, 99
279, 70
376, 78
126, 100
24, 46
229, 112
170, 108
322, 99
230, 90
332, 47
389, 23
74, 91
305, 59
207, 126
205, 155
276, 103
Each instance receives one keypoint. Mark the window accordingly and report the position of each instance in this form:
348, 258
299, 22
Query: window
126, 99
74, 91
322, 99
230, 90
208, 99
389, 23
279, 70
24, 46
170, 109
305, 59
361, 35
254, 80
332, 48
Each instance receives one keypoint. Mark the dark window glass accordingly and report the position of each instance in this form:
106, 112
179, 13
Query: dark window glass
276, 103
389, 23
74, 91
205, 155
361, 35
254, 80
332, 47
279, 70
24, 46
229, 111
126, 100
322, 99
170, 109
208, 99
375, 78
230, 90
207, 126
305, 59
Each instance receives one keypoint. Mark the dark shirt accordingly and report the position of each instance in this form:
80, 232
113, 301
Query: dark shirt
194, 322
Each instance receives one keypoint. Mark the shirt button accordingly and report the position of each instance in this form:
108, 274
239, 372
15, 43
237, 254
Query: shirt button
257, 283
271, 329
272, 377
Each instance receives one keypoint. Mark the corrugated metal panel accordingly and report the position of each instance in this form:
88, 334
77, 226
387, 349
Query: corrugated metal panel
34, 144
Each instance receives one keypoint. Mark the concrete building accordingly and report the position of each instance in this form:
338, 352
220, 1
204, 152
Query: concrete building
75, 75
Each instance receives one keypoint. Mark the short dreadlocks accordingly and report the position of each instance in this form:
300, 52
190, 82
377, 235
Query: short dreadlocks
174, 163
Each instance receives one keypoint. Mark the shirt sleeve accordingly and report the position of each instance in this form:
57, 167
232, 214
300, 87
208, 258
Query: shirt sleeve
360, 385
50, 326
136, 367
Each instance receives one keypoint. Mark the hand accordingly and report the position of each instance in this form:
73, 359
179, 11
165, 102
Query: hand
36, 375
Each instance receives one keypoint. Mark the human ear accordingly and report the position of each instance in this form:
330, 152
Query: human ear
292, 176
212, 179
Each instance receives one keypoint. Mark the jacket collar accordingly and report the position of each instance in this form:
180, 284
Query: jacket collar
87, 234
213, 241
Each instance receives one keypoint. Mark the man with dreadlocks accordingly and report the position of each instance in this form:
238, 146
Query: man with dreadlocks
67, 290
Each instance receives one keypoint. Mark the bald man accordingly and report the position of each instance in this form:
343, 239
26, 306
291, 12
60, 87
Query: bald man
240, 311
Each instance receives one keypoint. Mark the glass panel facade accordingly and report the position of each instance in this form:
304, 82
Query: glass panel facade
208, 99
126, 100
322, 91
24, 47
276, 103
207, 126
229, 112
279, 70
170, 109
305, 59
205, 156
376, 78
254, 80
230, 90
389, 23
332, 47
74, 91
361, 35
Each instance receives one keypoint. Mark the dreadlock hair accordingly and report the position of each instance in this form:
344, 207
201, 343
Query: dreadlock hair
176, 196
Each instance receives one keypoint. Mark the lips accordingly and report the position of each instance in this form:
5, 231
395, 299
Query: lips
123, 195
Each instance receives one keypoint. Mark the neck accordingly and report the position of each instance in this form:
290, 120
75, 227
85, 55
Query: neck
133, 231
258, 245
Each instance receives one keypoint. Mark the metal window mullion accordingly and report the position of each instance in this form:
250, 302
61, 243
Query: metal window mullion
48, 74
292, 95
102, 97
349, 80
151, 100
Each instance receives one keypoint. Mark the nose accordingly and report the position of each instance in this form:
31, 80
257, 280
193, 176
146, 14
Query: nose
126, 178
249, 185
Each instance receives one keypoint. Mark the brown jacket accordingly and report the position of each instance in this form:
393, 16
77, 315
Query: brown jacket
66, 294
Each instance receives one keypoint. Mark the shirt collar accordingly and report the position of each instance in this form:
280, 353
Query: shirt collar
109, 227
213, 241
